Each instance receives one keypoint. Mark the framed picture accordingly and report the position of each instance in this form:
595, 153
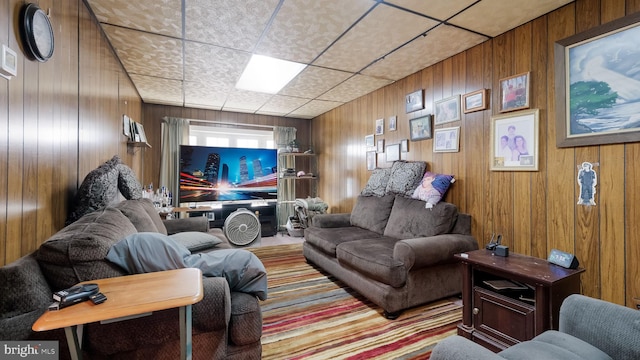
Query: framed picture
126, 126
371, 160
404, 145
514, 141
380, 147
420, 128
596, 85
414, 101
393, 123
369, 141
446, 139
475, 101
380, 127
8, 62
447, 110
392, 152
140, 132
514, 92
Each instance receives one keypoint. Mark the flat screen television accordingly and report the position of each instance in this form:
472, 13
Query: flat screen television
210, 173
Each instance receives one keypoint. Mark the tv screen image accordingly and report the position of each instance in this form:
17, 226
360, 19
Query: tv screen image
210, 173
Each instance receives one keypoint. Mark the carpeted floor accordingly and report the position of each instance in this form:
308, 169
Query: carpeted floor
309, 315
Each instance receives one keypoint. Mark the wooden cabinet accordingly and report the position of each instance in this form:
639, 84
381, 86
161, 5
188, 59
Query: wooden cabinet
497, 318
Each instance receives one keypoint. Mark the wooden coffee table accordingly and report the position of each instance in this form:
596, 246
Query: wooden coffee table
129, 297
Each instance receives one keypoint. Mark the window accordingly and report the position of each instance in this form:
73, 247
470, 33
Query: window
217, 141
247, 143
216, 135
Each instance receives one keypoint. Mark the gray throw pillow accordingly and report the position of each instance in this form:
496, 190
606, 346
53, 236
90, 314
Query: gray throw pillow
196, 240
99, 189
377, 184
128, 184
405, 177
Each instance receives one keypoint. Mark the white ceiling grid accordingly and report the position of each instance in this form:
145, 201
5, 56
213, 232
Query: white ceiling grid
192, 52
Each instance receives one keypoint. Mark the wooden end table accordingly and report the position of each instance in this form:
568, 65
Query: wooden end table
129, 297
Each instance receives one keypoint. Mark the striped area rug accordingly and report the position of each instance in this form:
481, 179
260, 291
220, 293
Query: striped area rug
310, 315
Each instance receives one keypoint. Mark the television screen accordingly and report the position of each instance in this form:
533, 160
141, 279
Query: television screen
227, 174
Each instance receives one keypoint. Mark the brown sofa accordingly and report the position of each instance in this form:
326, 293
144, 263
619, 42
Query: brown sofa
392, 249
226, 324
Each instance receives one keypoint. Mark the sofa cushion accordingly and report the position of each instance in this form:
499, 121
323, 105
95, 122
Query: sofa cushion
372, 212
196, 240
143, 215
564, 347
377, 184
98, 190
405, 177
410, 219
326, 239
76, 253
374, 259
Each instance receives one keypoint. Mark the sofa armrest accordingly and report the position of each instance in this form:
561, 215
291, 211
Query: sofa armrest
591, 320
428, 251
198, 223
331, 220
459, 348
213, 312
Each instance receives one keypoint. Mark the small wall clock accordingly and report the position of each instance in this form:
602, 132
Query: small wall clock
36, 32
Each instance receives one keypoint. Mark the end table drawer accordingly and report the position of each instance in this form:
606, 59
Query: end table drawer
498, 316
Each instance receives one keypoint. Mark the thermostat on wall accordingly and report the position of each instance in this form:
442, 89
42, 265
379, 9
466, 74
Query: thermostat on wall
8, 62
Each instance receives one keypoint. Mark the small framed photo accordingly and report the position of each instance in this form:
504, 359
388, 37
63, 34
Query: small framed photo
392, 153
447, 110
380, 147
475, 101
369, 141
404, 145
420, 128
371, 160
514, 92
514, 141
414, 101
380, 127
393, 123
140, 133
447, 139
8, 62
126, 126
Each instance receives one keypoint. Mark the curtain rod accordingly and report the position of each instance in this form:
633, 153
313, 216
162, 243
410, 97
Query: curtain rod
224, 123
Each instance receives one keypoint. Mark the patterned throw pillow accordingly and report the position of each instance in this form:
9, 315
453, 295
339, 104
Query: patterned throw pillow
128, 184
405, 177
377, 184
432, 188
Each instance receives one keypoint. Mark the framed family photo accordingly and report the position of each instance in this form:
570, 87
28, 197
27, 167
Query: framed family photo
447, 110
420, 128
392, 152
475, 101
514, 92
414, 101
447, 139
369, 141
514, 141
380, 127
371, 160
393, 123
597, 91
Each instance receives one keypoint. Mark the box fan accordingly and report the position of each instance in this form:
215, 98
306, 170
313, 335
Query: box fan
242, 228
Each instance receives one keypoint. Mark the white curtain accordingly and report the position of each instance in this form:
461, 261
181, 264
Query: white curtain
282, 136
175, 132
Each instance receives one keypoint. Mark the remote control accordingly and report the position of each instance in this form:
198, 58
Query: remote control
98, 298
75, 294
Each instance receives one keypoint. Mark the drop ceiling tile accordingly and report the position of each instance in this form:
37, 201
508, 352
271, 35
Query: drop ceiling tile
302, 29
353, 88
157, 90
232, 24
146, 54
439, 9
247, 101
214, 64
381, 31
159, 16
424, 51
313, 81
204, 94
282, 105
493, 17
314, 108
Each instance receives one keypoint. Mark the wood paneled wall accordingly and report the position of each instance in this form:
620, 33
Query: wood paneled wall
535, 211
58, 121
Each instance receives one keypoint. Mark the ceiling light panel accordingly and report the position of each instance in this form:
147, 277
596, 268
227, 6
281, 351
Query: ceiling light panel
382, 30
424, 51
484, 17
439, 9
159, 91
314, 81
210, 63
353, 88
147, 54
302, 29
141, 15
268, 75
233, 24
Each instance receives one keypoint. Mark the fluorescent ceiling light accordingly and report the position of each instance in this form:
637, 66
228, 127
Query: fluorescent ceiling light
268, 75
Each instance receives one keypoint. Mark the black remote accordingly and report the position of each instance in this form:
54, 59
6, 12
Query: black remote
75, 294
98, 298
